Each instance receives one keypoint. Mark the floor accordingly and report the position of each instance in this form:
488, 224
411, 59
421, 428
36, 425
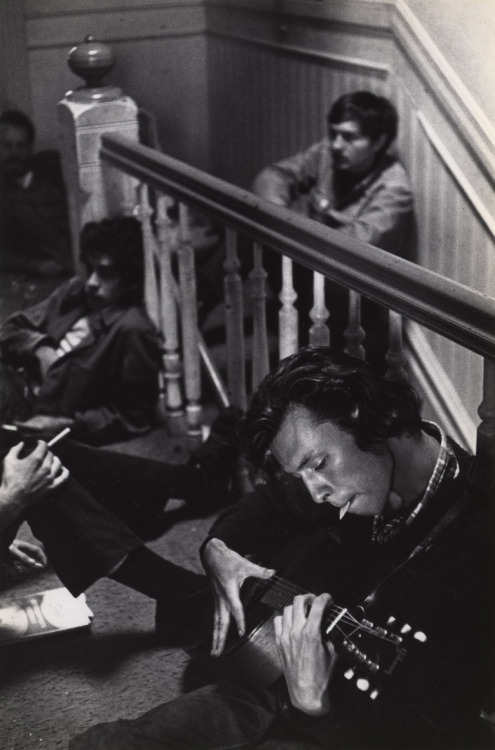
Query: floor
56, 686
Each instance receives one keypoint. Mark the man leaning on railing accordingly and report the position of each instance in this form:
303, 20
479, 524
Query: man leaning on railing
348, 181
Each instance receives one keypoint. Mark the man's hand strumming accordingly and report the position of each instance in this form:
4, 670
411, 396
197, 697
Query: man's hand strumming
227, 572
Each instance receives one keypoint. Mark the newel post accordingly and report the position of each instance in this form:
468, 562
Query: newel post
95, 191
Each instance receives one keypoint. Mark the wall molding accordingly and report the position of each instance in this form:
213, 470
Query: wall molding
463, 184
438, 388
464, 114
335, 60
362, 13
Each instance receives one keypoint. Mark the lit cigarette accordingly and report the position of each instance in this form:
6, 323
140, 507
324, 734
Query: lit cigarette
59, 437
344, 510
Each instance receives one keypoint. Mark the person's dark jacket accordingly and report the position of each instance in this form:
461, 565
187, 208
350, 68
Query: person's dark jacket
35, 220
108, 383
434, 698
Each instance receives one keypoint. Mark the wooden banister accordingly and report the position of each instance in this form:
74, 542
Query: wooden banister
451, 309
446, 307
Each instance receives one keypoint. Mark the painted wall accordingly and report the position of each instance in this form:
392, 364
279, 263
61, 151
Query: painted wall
463, 31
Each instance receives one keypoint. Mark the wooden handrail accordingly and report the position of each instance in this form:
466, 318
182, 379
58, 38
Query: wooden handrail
443, 305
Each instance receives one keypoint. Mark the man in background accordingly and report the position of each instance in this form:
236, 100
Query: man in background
34, 216
349, 181
88, 356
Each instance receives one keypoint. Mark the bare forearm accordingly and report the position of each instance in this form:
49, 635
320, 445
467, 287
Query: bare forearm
11, 516
12, 507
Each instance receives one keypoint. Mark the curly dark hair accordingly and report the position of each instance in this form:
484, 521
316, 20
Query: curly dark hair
376, 115
332, 386
121, 239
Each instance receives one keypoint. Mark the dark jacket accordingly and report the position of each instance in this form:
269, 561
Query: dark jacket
109, 383
434, 698
35, 219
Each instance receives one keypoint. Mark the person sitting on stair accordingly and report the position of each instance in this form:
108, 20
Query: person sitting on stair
88, 356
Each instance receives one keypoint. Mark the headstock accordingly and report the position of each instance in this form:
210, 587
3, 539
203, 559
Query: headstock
372, 650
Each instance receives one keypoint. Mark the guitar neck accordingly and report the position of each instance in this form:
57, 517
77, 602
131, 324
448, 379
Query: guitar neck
279, 593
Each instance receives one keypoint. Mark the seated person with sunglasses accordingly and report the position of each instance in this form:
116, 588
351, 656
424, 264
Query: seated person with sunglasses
87, 357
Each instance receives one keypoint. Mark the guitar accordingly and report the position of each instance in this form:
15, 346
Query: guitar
372, 652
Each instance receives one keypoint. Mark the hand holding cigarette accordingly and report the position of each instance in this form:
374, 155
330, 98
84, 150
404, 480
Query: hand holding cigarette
42, 427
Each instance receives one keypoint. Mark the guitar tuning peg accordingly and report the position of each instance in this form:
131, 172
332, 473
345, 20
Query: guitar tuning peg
362, 684
391, 620
349, 674
405, 628
420, 636
374, 694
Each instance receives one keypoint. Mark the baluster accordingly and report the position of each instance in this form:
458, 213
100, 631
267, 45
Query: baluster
485, 448
151, 295
260, 337
319, 333
288, 314
236, 353
168, 315
189, 325
395, 357
354, 333
234, 319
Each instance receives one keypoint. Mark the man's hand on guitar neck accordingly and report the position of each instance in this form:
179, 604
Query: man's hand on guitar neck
227, 571
306, 659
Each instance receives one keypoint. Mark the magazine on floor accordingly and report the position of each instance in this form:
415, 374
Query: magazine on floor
42, 613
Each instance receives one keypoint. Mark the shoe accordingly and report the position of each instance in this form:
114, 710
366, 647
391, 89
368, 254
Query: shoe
212, 467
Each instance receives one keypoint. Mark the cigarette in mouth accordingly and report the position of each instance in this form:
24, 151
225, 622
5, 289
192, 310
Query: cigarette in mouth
344, 510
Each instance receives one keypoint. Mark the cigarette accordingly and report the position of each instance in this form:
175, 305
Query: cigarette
58, 437
343, 510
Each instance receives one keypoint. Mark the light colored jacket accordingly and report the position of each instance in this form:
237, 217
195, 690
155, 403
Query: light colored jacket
379, 209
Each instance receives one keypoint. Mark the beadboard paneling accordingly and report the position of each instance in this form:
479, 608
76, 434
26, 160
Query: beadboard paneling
274, 100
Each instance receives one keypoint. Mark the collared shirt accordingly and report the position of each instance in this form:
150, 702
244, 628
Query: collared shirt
446, 466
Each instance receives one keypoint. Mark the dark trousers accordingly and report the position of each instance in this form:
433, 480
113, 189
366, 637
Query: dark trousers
215, 717
88, 524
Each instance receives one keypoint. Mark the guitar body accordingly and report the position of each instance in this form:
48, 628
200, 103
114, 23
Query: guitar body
254, 657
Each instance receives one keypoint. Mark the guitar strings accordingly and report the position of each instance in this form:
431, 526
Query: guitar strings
280, 592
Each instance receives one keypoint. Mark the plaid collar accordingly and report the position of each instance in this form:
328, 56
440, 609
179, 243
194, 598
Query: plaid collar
446, 466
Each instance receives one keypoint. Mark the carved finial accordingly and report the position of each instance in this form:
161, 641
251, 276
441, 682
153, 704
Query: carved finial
91, 61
